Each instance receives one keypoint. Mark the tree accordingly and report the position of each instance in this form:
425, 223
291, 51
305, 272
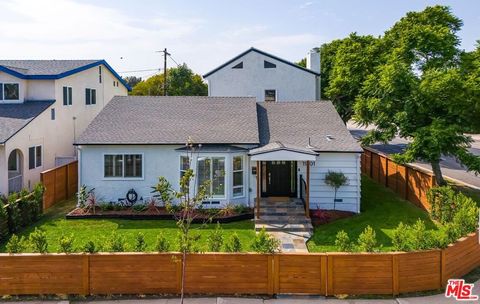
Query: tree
132, 81
335, 180
327, 56
181, 81
302, 62
419, 92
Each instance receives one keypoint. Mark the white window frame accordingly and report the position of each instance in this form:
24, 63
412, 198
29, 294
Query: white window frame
265, 95
69, 96
2, 88
243, 177
123, 166
225, 180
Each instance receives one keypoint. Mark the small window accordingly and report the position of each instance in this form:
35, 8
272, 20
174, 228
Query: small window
114, 83
270, 95
1, 91
90, 96
238, 66
13, 161
34, 157
11, 91
67, 96
184, 165
123, 165
52, 114
238, 189
100, 74
269, 65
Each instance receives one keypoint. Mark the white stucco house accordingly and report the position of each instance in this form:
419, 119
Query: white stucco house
249, 149
44, 106
256, 73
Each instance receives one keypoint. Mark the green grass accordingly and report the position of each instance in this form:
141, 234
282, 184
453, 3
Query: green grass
381, 208
55, 225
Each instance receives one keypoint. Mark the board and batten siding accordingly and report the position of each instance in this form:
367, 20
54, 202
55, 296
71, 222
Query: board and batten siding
322, 195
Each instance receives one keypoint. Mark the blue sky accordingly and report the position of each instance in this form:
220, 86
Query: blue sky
203, 33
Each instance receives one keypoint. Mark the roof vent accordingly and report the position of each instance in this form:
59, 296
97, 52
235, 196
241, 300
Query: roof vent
330, 137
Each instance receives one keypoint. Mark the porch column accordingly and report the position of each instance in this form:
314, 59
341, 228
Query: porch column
258, 189
307, 192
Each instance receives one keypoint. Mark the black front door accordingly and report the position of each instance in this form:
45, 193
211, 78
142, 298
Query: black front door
279, 178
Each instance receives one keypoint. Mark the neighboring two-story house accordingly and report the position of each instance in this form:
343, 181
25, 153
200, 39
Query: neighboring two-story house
255, 73
44, 106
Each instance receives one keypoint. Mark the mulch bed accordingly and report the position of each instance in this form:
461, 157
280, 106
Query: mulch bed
156, 214
322, 217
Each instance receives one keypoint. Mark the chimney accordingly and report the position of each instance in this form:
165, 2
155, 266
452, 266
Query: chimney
313, 60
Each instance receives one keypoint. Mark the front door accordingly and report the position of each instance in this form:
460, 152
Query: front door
279, 178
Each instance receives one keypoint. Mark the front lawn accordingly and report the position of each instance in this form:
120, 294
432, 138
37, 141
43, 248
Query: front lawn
381, 208
55, 225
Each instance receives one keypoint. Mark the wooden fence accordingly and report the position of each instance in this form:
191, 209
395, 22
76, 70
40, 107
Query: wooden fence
411, 183
60, 183
238, 273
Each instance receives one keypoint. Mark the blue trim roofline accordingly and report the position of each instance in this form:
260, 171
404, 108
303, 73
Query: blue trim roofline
67, 73
252, 49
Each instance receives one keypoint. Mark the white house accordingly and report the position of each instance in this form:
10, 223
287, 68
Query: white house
256, 73
135, 140
44, 106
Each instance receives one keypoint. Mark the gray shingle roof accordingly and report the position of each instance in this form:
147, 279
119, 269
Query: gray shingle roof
278, 146
13, 117
294, 123
44, 67
171, 120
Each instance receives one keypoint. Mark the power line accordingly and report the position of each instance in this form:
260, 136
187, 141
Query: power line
173, 60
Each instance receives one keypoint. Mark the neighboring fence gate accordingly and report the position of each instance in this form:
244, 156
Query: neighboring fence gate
60, 183
409, 182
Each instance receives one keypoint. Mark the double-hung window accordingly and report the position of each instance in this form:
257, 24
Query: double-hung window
34, 157
123, 165
238, 187
90, 96
184, 166
67, 96
212, 169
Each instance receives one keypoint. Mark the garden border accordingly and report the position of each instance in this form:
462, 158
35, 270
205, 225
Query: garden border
223, 220
238, 273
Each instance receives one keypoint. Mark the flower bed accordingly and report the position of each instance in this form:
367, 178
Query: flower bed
321, 217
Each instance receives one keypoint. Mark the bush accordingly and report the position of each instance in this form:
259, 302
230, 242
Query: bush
37, 196
240, 209
66, 243
443, 202
38, 240
90, 247
16, 244
139, 207
116, 243
265, 243
140, 244
367, 240
3, 222
466, 215
233, 244
14, 213
342, 241
162, 244
420, 237
215, 239
400, 239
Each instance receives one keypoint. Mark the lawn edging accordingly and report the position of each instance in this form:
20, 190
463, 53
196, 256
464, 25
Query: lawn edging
326, 274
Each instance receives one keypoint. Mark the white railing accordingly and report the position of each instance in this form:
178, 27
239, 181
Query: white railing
15, 183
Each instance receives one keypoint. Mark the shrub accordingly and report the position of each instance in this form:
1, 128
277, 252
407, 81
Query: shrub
14, 213
140, 244
400, 238
105, 206
342, 241
38, 240
139, 207
82, 196
233, 244
162, 244
265, 243
466, 215
116, 243
421, 238
16, 244
66, 243
215, 239
367, 240
227, 210
37, 196
443, 202
90, 247
240, 209
3, 222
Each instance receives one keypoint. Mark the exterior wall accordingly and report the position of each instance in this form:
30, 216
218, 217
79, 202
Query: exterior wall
157, 161
40, 90
290, 83
57, 136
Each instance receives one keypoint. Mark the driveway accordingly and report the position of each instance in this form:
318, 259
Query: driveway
450, 167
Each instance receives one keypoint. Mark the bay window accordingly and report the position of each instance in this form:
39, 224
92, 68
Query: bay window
238, 187
123, 165
212, 169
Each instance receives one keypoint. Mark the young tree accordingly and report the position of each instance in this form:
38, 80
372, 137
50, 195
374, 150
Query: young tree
335, 180
419, 91
132, 81
182, 205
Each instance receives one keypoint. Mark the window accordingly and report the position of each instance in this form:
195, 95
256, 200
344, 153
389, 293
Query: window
270, 95
123, 165
90, 96
269, 65
114, 83
67, 96
10, 91
34, 157
100, 74
13, 161
212, 169
184, 165
52, 114
238, 66
237, 176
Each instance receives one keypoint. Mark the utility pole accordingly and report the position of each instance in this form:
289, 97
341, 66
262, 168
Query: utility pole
165, 54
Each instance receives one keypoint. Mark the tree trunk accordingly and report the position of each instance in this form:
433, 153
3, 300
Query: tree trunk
334, 198
437, 171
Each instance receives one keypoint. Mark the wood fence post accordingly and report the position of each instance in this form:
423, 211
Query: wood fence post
42, 179
330, 289
276, 274
407, 181
86, 274
323, 274
178, 260
66, 181
443, 272
395, 276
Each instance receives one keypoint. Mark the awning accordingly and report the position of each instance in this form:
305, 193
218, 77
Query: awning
279, 151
